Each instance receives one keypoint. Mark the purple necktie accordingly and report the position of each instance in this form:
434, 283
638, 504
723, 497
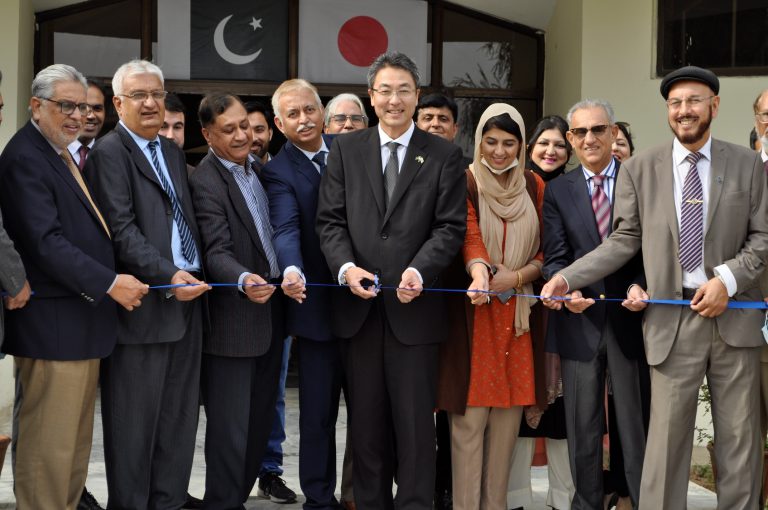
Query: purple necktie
601, 206
692, 217
83, 152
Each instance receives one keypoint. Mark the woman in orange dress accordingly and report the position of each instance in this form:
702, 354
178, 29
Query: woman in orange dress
501, 253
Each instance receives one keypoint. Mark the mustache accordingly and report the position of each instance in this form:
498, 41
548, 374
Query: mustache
306, 127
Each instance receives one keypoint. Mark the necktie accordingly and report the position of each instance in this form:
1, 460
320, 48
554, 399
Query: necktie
692, 217
260, 212
187, 243
67, 157
601, 206
83, 151
391, 171
319, 158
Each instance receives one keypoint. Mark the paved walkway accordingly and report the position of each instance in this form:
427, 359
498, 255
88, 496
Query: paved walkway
698, 498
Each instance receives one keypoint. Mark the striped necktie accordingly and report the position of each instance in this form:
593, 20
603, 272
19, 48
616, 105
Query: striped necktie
601, 206
692, 217
185, 234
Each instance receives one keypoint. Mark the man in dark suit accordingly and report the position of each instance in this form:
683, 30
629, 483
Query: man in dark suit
391, 206
605, 341
244, 346
698, 209
149, 385
292, 180
59, 337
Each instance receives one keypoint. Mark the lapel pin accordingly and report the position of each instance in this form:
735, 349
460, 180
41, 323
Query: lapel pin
719, 179
420, 160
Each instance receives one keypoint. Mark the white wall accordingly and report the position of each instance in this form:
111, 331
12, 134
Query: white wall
606, 50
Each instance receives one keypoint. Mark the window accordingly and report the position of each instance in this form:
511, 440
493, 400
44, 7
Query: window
727, 36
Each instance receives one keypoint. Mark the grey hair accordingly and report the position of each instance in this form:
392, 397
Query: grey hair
293, 85
45, 81
330, 108
131, 68
593, 103
393, 59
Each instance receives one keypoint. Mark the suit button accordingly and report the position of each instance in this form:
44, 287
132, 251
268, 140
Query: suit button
384, 236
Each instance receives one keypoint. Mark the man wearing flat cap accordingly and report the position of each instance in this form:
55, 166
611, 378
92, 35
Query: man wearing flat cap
698, 209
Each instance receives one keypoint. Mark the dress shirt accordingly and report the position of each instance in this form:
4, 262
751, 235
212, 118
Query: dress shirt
384, 139
247, 181
178, 257
680, 167
608, 183
74, 149
310, 154
763, 156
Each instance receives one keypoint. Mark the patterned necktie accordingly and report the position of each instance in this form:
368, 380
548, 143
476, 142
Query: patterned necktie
319, 158
185, 234
260, 212
67, 157
391, 171
83, 152
601, 206
692, 217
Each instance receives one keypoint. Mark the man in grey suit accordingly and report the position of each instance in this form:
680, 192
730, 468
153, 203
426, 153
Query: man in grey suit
149, 385
698, 210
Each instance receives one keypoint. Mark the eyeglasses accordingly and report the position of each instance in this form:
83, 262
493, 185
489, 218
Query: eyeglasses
141, 95
762, 117
342, 119
402, 93
692, 101
596, 130
68, 107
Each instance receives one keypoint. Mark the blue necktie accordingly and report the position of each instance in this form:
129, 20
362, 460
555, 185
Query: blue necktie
187, 243
319, 158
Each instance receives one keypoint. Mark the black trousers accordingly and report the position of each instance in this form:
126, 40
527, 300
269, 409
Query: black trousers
392, 390
584, 397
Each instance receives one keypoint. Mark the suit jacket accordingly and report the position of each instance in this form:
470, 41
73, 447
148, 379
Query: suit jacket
292, 182
735, 234
231, 247
423, 227
139, 214
66, 252
570, 231
12, 274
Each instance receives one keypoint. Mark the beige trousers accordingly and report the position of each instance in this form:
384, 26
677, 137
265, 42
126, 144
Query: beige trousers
53, 431
482, 442
733, 375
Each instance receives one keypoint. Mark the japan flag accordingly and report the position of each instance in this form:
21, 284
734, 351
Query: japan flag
338, 39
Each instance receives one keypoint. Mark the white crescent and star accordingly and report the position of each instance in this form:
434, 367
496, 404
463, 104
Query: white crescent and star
226, 53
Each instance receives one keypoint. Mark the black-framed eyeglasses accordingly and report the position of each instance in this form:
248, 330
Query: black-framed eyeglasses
143, 95
68, 107
342, 119
598, 130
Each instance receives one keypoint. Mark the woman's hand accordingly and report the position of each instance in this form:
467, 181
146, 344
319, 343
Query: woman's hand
504, 279
479, 274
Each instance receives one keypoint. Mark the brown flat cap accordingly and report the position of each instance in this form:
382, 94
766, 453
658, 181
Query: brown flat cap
690, 73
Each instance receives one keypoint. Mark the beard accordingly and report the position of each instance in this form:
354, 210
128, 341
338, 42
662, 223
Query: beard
696, 136
259, 150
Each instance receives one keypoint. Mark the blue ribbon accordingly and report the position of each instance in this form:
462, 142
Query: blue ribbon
734, 305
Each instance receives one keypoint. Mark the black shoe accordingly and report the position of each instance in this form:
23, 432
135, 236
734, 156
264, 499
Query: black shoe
192, 502
273, 488
443, 500
88, 502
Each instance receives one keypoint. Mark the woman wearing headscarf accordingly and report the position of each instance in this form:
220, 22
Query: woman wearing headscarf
502, 254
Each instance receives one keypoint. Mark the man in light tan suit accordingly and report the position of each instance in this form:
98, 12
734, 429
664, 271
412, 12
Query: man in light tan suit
719, 198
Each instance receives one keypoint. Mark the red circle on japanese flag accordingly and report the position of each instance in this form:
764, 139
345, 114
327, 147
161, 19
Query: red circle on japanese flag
361, 40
